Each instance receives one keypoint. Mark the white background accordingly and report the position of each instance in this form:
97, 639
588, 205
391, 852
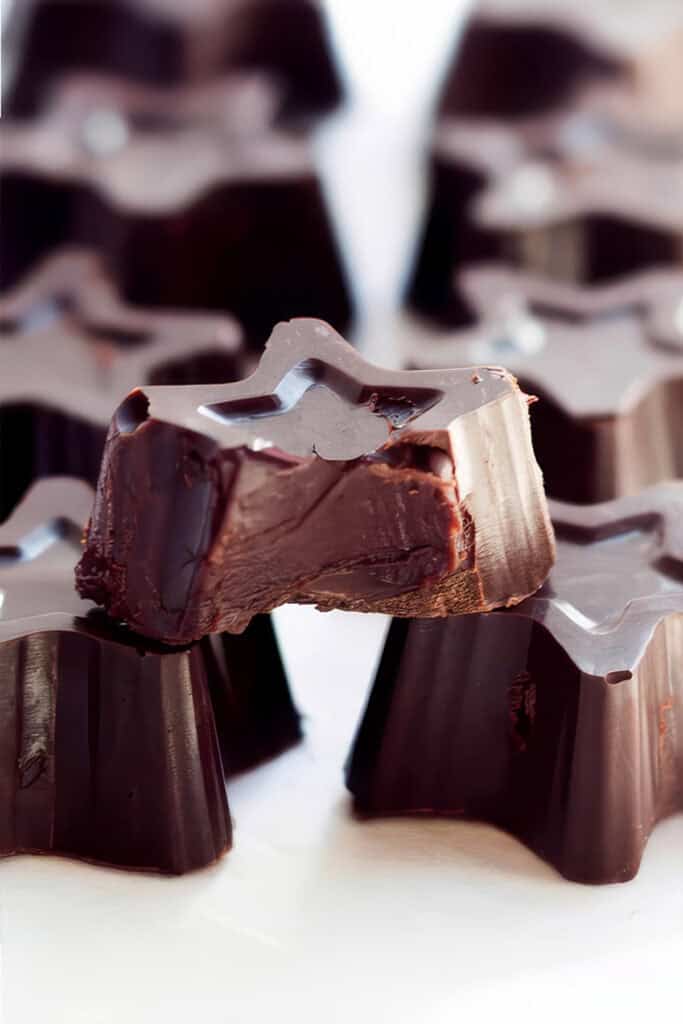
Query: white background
315, 917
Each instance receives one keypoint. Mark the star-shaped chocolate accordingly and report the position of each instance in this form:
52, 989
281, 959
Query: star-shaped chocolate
551, 172
560, 720
108, 746
172, 43
70, 350
521, 57
193, 200
108, 743
581, 196
319, 479
607, 364
106, 113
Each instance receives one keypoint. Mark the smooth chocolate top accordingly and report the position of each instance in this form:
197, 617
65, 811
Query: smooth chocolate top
68, 341
549, 169
619, 573
313, 395
146, 150
595, 351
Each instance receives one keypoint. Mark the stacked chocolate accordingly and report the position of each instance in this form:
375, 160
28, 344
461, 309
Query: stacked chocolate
71, 349
192, 197
317, 479
553, 228
161, 210
554, 225
113, 747
160, 213
165, 142
557, 147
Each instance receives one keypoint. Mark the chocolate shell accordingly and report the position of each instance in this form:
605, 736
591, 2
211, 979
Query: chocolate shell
319, 479
109, 750
559, 720
192, 202
605, 362
571, 196
70, 351
171, 43
517, 58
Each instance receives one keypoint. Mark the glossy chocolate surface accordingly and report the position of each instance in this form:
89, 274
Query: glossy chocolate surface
606, 363
109, 749
559, 720
172, 43
71, 350
193, 200
573, 196
320, 479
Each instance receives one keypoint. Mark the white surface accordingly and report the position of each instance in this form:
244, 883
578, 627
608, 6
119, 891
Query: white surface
315, 917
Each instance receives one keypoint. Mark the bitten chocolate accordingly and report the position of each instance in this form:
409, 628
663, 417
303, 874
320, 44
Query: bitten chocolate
70, 350
108, 746
605, 362
559, 720
320, 479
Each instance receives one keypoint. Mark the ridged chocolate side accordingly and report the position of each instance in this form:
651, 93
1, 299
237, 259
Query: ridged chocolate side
256, 718
487, 717
560, 720
113, 749
109, 754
